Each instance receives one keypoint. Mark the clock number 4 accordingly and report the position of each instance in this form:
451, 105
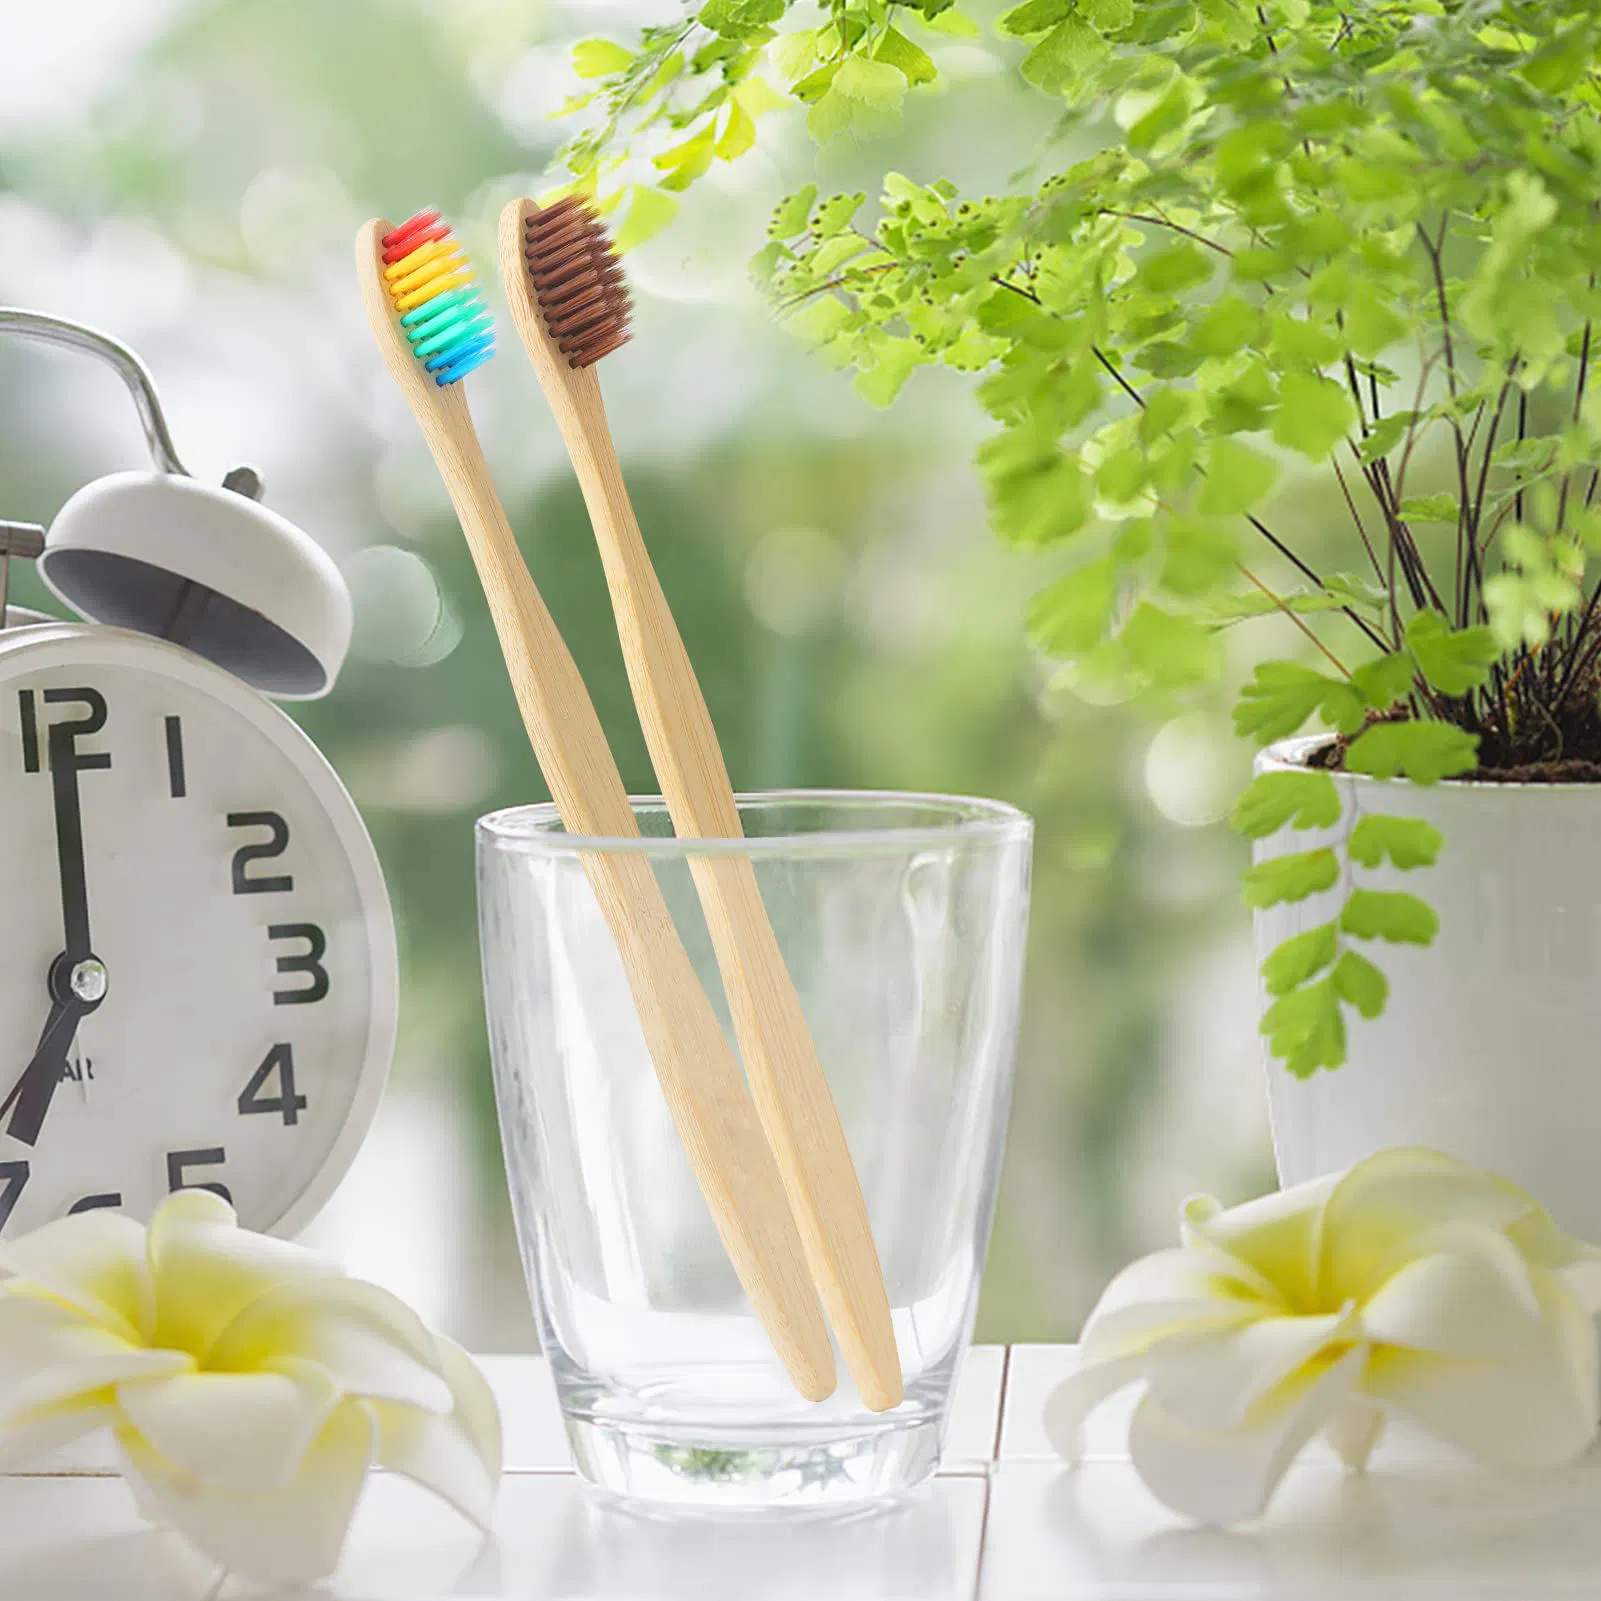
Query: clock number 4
280, 1060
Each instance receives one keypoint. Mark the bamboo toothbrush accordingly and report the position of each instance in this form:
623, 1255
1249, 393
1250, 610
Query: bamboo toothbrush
570, 306
433, 327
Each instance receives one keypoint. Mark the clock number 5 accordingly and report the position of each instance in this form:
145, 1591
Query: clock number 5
205, 1156
280, 1060
308, 961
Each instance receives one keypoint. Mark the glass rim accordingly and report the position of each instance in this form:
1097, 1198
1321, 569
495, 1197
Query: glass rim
965, 819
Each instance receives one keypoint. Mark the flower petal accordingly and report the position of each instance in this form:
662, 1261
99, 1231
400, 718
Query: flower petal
1536, 1408
207, 1269
293, 1535
50, 1352
94, 1261
1476, 1299
457, 1456
1211, 1381
1385, 1200
1228, 1476
234, 1431
1278, 1236
27, 1437
1354, 1430
1172, 1292
1079, 1394
369, 1342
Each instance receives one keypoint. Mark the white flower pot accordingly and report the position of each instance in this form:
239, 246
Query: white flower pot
1490, 1047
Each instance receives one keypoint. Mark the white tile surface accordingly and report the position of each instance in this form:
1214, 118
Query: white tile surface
1418, 1528
64, 1539
975, 1411
1440, 1532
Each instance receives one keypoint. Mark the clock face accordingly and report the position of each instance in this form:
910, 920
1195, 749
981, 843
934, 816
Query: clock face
197, 981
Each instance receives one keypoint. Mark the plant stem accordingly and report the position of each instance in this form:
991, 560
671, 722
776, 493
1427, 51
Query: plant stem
1300, 622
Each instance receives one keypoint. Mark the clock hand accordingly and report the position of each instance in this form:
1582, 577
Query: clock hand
33, 1091
64, 763
77, 979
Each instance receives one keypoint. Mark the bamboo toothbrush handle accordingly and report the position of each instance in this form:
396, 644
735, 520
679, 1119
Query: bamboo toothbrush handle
785, 1073
699, 1074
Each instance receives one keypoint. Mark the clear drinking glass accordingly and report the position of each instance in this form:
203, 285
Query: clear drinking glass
902, 919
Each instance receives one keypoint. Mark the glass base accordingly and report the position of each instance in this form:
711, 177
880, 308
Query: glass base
814, 1477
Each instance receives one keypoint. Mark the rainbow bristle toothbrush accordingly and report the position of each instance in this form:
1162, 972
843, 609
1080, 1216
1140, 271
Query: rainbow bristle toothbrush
433, 327
570, 306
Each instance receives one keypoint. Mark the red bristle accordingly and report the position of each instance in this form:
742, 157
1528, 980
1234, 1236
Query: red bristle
577, 280
412, 226
410, 242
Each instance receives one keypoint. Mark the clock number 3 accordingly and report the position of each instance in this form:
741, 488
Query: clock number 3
308, 961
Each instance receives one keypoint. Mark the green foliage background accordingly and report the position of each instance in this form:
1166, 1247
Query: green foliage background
854, 620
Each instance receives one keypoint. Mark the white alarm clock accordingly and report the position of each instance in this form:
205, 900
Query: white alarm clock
198, 984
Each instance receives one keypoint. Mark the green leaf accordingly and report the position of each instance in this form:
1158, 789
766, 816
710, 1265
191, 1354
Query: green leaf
739, 19
1422, 752
1173, 652
1075, 612
1360, 983
1230, 324
1179, 267
599, 58
739, 131
1033, 17
790, 214
1305, 1029
1428, 509
1407, 841
864, 99
683, 163
1385, 435
1272, 800
1454, 661
1238, 478
1300, 957
910, 60
1382, 682
1278, 700
834, 214
1391, 915
893, 362
1289, 878
1314, 415
649, 211
1062, 55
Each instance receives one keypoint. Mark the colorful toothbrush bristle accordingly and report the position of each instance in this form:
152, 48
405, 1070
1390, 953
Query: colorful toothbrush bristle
577, 280
442, 311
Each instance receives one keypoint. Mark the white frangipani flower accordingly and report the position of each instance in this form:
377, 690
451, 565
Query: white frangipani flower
1411, 1286
249, 1386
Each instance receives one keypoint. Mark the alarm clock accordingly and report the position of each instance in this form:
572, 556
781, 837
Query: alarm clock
199, 983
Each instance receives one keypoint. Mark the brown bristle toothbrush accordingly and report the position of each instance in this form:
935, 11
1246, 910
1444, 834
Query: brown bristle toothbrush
433, 327
570, 306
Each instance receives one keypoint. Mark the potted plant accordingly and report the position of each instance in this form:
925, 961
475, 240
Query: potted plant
1354, 239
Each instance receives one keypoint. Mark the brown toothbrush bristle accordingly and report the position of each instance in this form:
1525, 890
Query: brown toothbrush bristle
577, 280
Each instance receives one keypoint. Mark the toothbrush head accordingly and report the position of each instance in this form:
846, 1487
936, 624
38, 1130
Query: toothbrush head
577, 280
442, 311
